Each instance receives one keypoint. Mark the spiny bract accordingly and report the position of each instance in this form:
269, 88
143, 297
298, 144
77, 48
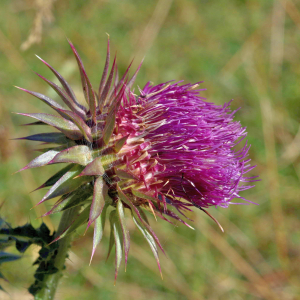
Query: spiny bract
166, 148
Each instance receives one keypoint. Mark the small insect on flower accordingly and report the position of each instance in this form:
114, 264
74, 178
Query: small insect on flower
165, 150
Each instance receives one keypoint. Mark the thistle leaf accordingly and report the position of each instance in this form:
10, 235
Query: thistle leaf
143, 215
114, 106
86, 84
114, 91
57, 107
105, 71
116, 239
41, 160
93, 168
119, 246
137, 215
66, 184
65, 126
100, 193
120, 143
126, 236
71, 103
80, 220
75, 198
109, 128
111, 117
53, 179
124, 174
64, 83
143, 196
106, 88
131, 81
80, 154
49, 137
98, 230
85, 129
34, 123
149, 239
111, 236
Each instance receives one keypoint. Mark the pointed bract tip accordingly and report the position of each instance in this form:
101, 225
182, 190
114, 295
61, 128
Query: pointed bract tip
213, 218
87, 227
34, 206
25, 168
39, 58
40, 187
93, 252
55, 240
19, 87
189, 226
71, 44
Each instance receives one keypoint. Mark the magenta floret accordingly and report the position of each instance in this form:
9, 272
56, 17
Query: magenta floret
195, 142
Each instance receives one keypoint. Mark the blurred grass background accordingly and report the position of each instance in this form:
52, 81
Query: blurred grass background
244, 50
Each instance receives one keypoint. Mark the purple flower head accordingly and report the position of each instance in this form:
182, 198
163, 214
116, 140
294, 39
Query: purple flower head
166, 148
194, 142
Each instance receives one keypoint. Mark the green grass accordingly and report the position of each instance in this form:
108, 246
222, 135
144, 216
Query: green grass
235, 48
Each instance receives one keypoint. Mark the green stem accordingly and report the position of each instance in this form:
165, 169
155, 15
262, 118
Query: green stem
51, 281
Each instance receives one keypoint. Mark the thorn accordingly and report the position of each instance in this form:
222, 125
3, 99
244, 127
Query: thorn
39, 57
152, 211
93, 252
35, 206
40, 187
188, 225
213, 218
88, 226
193, 87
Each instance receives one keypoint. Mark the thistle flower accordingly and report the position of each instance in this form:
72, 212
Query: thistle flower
165, 149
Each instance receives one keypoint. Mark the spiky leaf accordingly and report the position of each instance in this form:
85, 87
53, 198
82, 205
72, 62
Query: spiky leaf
93, 168
126, 237
80, 154
77, 222
98, 230
41, 160
149, 239
100, 194
71, 103
48, 137
138, 216
53, 179
66, 184
65, 126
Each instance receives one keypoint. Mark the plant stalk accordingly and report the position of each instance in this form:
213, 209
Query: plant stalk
51, 281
